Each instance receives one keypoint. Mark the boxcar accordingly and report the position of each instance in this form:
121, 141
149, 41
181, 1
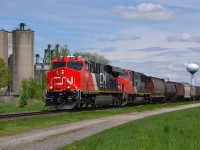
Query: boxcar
197, 88
187, 91
193, 92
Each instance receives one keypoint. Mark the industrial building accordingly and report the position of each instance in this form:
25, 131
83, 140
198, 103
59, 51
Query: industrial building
17, 50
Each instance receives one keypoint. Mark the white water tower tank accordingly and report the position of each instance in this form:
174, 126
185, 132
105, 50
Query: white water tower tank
192, 68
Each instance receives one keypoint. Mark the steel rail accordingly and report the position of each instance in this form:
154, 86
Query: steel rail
28, 114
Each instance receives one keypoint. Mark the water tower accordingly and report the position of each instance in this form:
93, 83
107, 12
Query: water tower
192, 68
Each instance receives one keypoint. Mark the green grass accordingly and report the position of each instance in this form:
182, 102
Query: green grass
177, 130
11, 127
13, 107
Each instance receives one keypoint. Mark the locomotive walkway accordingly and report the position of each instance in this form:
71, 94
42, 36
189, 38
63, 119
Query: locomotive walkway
54, 137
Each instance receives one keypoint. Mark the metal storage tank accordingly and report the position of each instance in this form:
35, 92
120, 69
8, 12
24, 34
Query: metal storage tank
4, 45
10, 44
23, 57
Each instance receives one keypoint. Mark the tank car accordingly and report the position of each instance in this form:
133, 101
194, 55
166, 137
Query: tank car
75, 82
156, 87
180, 92
170, 92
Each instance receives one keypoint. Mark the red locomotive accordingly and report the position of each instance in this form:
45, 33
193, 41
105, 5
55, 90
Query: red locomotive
76, 82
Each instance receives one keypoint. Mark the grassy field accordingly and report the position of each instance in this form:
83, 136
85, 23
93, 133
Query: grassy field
13, 107
177, 130
11, 127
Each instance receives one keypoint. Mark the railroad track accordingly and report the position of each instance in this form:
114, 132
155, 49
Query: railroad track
48, 112
28, 114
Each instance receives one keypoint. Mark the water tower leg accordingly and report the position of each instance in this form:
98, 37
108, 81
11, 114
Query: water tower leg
192, 82
192, 79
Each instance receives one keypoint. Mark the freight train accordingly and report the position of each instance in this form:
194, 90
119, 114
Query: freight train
74, 82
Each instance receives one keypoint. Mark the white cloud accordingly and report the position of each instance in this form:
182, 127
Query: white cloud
120, 38
152, 49
177, 67
172, 76
145, 11
184, 37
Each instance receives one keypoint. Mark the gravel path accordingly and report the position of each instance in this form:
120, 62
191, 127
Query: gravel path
54, 137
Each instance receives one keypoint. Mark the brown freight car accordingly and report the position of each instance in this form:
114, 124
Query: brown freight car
197, 88
156, 87
179, 90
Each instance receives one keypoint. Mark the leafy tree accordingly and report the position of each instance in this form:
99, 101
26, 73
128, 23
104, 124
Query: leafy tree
64, 51
32, 89
24, 96
59, 51
5, 74
93, 57
41, 87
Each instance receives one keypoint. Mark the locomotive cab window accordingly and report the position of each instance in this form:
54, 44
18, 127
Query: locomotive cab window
58, 64
75, 65
124, 75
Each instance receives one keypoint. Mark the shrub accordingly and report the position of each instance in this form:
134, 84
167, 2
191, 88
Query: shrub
23, 99
32, 88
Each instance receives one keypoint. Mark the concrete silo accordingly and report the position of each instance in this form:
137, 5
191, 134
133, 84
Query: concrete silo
23, 57
4, 45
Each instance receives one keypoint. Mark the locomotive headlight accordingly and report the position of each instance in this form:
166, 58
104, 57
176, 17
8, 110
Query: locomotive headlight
68, 87
62, 71
51, 87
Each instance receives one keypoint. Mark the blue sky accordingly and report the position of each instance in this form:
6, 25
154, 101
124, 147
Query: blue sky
155, 37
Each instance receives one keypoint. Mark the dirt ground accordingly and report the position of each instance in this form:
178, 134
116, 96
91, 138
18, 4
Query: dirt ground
57, 136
